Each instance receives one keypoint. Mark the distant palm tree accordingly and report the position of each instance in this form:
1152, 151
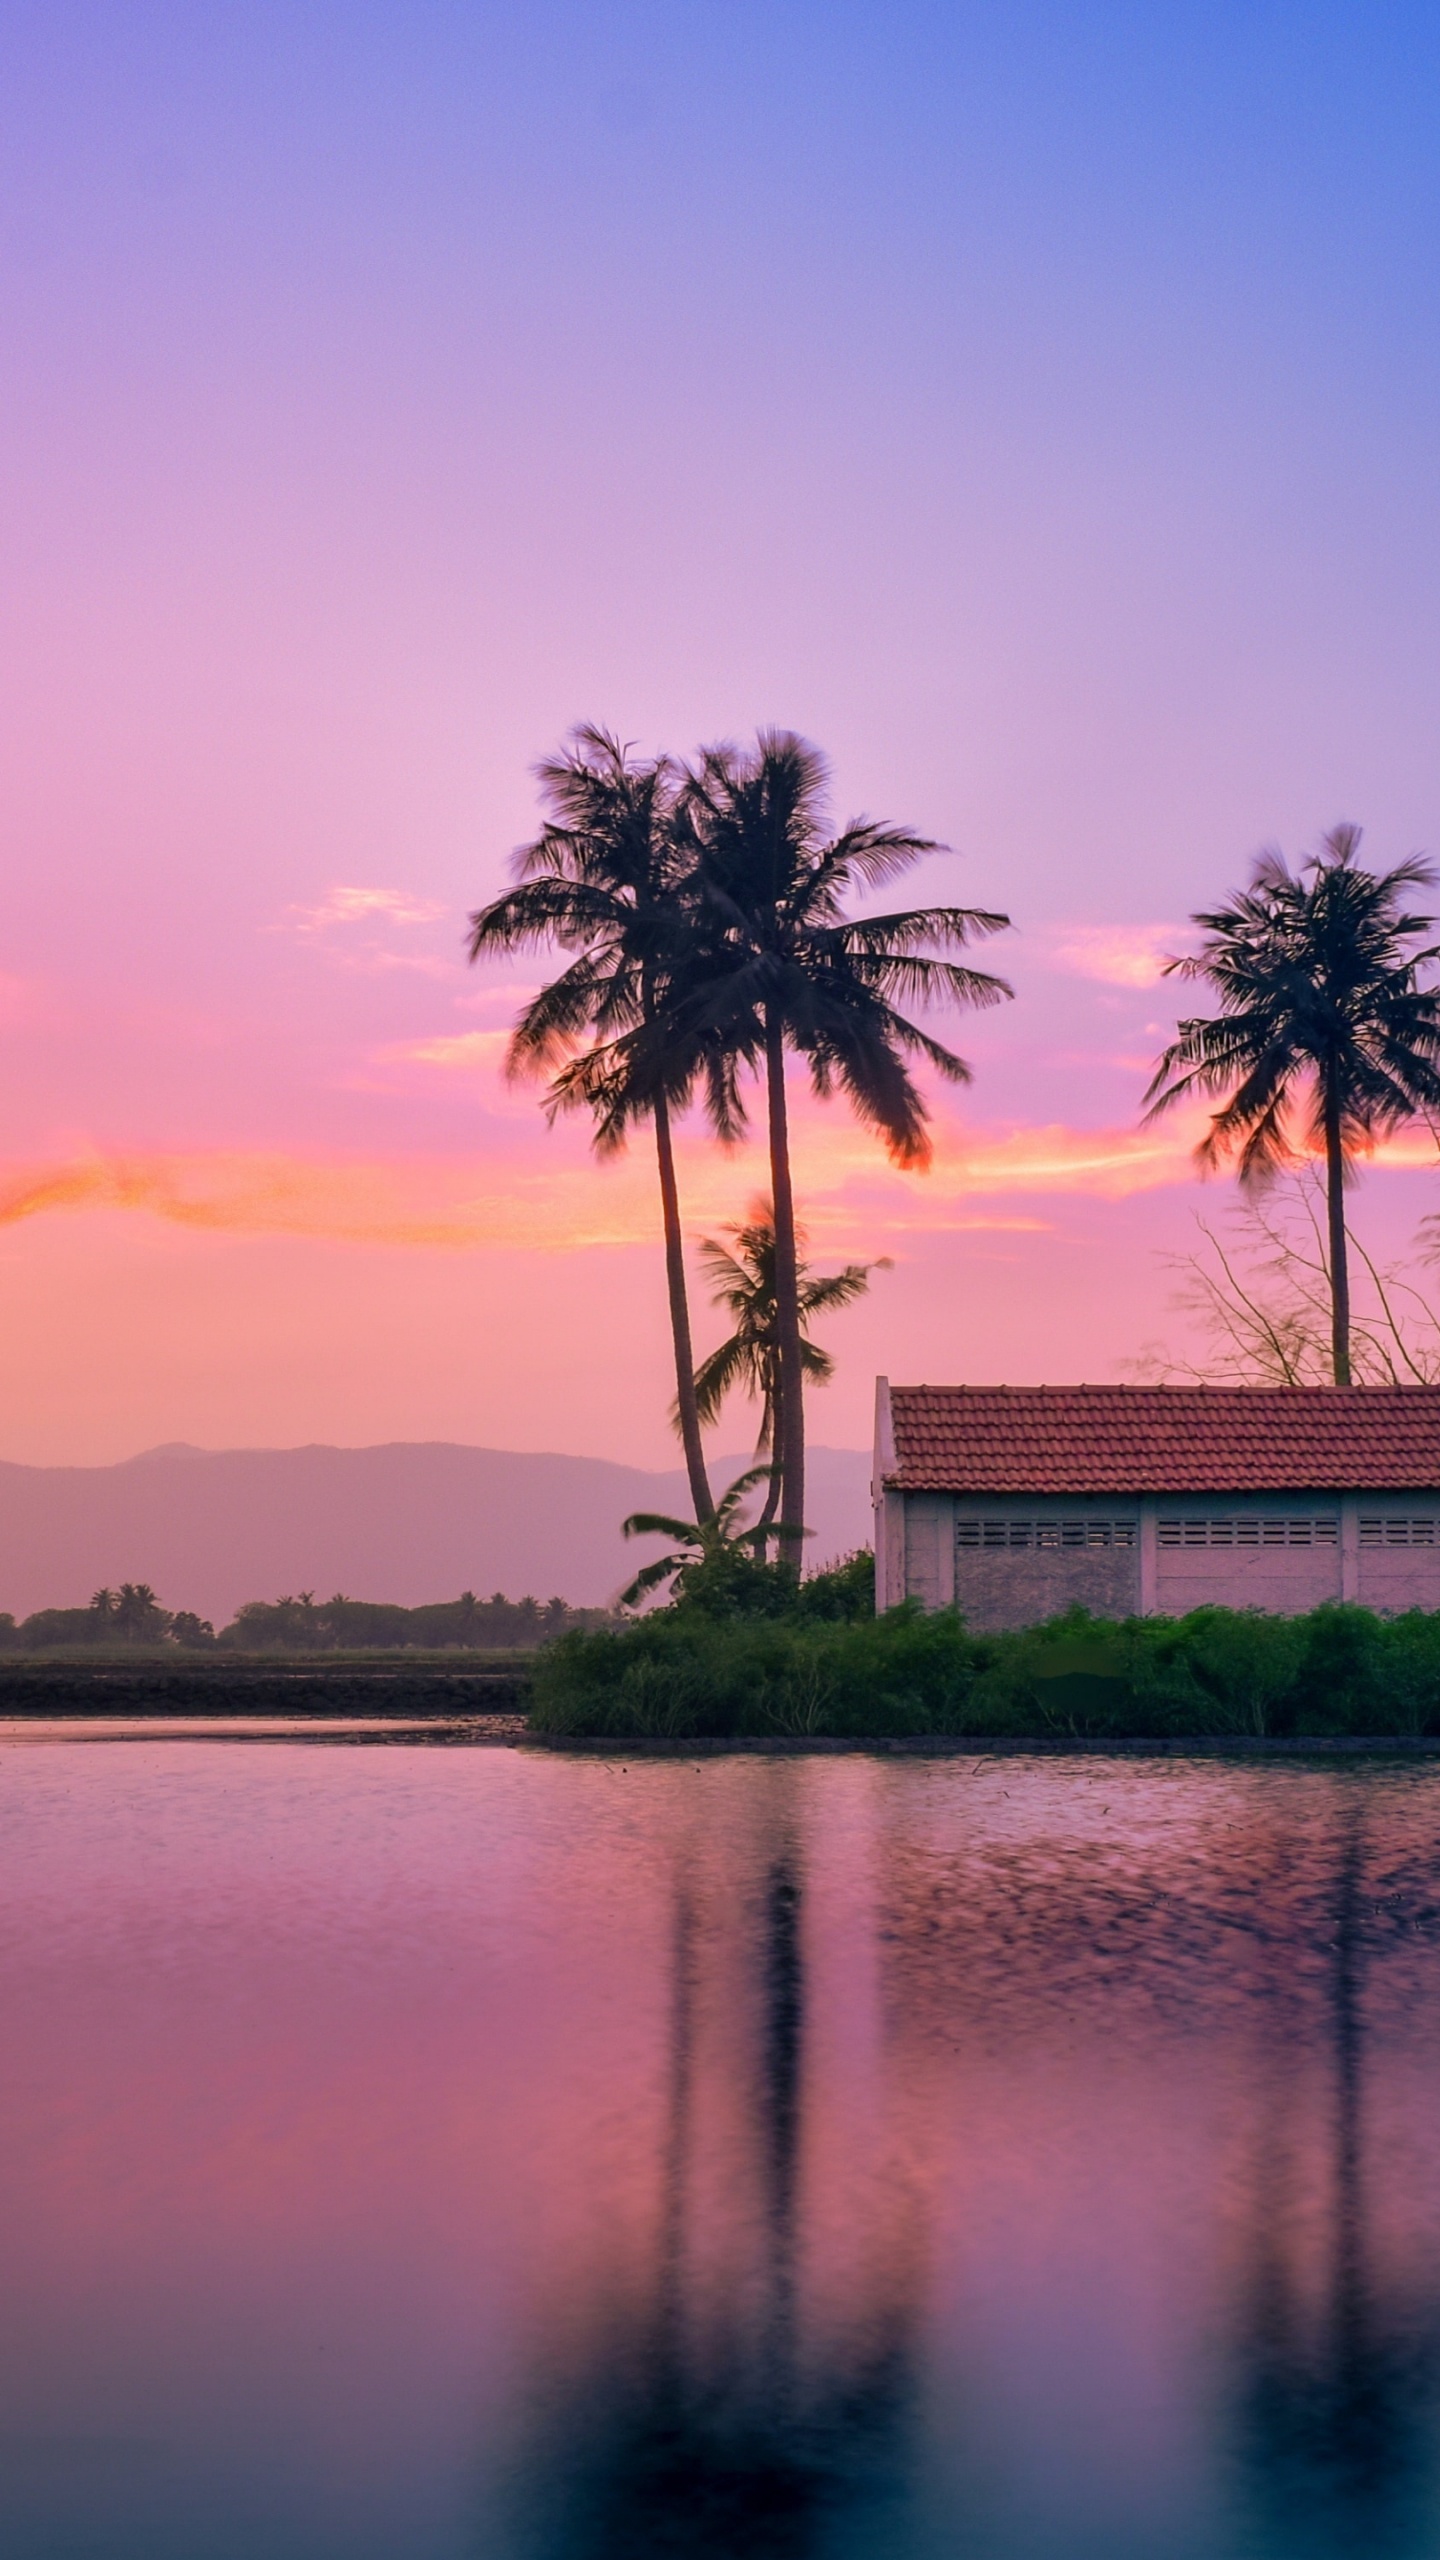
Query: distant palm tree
744, 1284
136, 1613
606, 880
785, 967
700, 1542
1321, 1016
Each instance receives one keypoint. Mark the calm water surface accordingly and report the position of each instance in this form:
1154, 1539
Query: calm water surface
445, 2153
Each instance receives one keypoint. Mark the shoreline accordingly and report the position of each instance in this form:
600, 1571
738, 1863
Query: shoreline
497, 1730
322, 1690
957, 1746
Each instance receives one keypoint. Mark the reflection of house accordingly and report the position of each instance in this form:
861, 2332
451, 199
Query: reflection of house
1017, 1502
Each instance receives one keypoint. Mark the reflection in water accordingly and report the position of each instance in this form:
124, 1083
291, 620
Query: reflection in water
1337, 2393
494, 2157
725, 2437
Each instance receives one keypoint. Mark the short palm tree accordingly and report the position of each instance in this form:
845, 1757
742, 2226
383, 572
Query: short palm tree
1321, 1019
700, 1542
606, 880
742, 1274
784, 967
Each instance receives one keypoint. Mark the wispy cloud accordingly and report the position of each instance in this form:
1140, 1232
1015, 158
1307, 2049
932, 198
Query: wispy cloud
1118, 955
346, 905
559, 1200
467, 1050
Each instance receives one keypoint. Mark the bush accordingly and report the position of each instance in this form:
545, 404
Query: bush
683, 1673
686, 1672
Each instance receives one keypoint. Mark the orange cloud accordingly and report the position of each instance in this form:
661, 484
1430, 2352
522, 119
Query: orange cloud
560, 1200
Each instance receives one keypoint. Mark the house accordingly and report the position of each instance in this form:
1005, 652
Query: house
1013, 1503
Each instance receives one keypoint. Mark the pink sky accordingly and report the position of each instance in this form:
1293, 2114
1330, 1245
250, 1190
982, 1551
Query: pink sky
335, 1220
345, 463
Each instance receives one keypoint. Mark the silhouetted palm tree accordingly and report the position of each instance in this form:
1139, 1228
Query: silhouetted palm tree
1320, 1014
605, 880
136, 1613
785, 967
744, 1284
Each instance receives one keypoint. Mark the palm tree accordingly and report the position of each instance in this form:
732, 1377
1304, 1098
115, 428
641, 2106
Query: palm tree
785, 968
607, 880
744, 1283
136, 1613
1320, 1015
700, 1542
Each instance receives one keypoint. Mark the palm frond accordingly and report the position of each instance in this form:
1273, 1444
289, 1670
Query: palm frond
649, 1577
657, 1524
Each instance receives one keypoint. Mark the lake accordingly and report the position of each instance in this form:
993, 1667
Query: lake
482, 2154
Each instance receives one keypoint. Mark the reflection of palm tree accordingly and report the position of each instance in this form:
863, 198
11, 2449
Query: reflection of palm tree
743, 1282
1335, 2412
721, 2448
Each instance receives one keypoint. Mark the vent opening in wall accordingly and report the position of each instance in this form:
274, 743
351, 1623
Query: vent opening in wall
1380, 1532
1249, 1529
1026, 1536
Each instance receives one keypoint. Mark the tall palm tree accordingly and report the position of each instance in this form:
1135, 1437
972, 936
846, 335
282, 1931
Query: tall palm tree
786, 968
607, 879
742, 1274
1320, 1017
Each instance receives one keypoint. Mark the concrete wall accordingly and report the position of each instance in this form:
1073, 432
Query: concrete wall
1055, 1555
1009, 1562
1273, 1551
1397, 1552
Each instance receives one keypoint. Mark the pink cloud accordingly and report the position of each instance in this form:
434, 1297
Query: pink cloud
1118, 955
468, 1050
344, 905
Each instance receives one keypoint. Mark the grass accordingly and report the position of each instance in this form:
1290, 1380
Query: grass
684, 1674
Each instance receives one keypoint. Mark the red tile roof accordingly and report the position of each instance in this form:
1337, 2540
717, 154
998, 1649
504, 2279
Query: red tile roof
1049, 1440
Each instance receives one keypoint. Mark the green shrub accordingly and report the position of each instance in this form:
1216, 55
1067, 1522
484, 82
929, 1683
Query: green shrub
688, 1672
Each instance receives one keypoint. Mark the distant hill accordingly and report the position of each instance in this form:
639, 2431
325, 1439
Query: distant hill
410, 1521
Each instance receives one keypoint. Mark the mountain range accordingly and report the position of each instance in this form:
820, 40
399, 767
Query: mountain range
409, 1521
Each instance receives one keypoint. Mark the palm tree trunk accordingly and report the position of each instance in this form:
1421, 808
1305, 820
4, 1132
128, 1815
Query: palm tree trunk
680, 1317
1339, 1251
770, 1440
791, 1451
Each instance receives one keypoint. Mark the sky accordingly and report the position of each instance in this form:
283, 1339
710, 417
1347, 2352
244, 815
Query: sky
1036, 407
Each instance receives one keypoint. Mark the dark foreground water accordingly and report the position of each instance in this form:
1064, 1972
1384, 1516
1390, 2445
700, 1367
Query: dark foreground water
432, 2153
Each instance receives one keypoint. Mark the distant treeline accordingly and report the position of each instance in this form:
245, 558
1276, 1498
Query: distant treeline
302, 1624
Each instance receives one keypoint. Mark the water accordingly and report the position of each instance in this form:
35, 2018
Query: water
479, 2155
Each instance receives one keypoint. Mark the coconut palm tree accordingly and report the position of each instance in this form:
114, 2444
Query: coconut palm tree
743, 1278
136, 1613
607, 880
699, 1542
1321, 1021
786, 968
